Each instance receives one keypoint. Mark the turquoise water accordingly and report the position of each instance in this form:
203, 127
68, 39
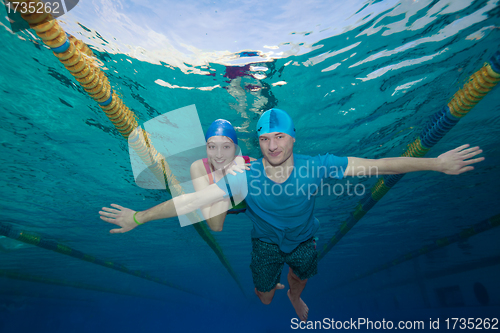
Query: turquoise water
362, 87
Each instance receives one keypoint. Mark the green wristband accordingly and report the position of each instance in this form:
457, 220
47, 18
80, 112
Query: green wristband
136, 219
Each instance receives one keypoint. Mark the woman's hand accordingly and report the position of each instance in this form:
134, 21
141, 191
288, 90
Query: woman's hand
237, 167
120, 216
456, 161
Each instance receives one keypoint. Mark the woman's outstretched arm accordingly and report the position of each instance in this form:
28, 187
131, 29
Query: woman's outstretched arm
127, 219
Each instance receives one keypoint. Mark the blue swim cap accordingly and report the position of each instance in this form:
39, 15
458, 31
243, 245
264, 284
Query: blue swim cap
221, 127
275, 120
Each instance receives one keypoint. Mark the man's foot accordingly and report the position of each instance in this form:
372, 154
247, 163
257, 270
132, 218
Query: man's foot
300, 307
279, 286
267, 297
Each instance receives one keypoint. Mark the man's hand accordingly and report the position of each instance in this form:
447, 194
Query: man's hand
456, 161
120, 216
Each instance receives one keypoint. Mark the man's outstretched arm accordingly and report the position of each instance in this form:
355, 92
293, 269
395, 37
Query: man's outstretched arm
183, 204
453, 162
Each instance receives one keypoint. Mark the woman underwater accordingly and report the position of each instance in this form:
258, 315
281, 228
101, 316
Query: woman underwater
222, 152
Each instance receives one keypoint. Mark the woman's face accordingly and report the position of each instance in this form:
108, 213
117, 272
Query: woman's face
220, 151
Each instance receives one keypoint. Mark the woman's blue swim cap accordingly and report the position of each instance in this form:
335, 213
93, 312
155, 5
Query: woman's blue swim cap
275, 120
222, 127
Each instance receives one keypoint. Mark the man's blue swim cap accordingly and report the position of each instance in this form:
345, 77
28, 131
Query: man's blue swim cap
222, 127
275, 120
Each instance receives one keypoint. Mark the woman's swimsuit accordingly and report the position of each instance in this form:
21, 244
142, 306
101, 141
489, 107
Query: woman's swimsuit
239, 208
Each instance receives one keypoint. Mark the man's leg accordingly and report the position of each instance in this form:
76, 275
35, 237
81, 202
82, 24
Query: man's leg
267, 297
266, 265
296, 287
303, 262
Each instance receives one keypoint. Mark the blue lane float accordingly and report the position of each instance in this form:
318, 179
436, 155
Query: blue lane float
478, 85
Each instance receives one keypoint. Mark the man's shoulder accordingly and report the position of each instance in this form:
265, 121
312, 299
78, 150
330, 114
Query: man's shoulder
257, 161
319, 159
301, 157
305, 158
313, 157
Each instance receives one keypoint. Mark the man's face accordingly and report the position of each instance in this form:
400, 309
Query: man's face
220, 151
276, 147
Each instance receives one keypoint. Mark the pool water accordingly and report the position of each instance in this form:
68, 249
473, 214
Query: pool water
364, 85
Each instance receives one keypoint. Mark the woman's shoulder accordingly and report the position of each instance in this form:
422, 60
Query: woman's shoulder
198, 166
